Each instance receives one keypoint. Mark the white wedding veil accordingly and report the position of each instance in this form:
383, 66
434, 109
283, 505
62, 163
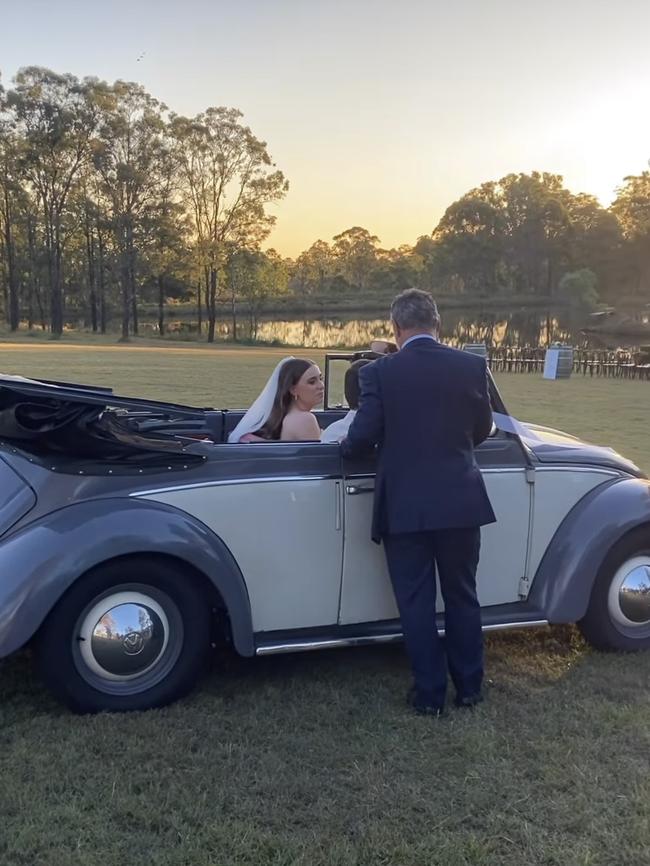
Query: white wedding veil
258, 414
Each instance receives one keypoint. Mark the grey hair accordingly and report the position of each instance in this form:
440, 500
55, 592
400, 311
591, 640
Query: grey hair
413, 309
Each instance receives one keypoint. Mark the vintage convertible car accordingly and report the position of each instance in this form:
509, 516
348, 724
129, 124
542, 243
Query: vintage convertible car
132, 538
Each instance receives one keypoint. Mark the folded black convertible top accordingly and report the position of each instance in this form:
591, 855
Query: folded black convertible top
85, 422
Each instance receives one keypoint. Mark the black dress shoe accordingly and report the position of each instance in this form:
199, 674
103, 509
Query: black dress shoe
420, 706
468, 702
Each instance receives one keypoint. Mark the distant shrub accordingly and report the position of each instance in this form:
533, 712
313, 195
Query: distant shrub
579, 288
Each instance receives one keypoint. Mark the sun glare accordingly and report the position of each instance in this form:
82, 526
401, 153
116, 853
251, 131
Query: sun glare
605, 140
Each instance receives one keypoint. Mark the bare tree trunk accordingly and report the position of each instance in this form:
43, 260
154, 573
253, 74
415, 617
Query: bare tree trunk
30, 306
126, 305
34, 277
102, 284
53, 232
199, 306
92, 274
129, 300
5, 298
12, 304
134, 301
212, 305
233, 302
161, 305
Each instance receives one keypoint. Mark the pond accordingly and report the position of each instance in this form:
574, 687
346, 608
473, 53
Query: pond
497, 328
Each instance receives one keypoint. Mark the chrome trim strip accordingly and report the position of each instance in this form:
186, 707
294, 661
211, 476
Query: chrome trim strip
503, 626
332, 643
490, 470
225, 482
316, 644
266, 479
571, 467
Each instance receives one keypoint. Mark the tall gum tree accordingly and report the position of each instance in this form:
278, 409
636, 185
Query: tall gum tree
56, 117
129, 155
632, 207
229, 179
9, 187
356, 252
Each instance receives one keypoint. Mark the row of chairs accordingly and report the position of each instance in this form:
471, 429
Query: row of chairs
619, 364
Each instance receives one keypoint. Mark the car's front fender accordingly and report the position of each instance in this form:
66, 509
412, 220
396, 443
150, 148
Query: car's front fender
39, 562
563, 582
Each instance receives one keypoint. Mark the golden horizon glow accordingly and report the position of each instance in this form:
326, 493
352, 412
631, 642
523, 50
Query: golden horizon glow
379, 114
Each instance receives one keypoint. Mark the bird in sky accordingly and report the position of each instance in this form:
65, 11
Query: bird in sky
140, 57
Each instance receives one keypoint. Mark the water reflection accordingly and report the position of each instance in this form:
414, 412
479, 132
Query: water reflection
523, 328
500, 328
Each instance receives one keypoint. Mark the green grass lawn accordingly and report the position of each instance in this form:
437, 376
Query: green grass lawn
312, 760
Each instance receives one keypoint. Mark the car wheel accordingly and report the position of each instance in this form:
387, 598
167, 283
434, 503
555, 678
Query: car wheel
618, 616
130, 635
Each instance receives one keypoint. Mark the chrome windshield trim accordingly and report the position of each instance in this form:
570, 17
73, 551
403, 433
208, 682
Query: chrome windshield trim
228, 482
360, 640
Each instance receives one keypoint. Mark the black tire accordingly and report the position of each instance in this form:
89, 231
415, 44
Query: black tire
605, 625
173, 628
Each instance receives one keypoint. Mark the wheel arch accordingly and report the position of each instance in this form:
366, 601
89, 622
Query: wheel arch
46, 559
564, 580
207, 587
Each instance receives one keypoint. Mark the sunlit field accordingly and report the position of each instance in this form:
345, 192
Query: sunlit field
313, 760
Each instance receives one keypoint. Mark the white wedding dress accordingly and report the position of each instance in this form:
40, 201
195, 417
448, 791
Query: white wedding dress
257, 416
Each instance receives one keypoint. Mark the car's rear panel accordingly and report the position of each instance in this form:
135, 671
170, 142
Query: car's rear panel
16, 497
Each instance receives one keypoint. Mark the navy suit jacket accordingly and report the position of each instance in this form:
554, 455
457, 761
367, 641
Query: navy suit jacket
427, 407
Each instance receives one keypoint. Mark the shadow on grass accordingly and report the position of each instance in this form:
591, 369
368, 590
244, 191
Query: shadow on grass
552, 662
314, 760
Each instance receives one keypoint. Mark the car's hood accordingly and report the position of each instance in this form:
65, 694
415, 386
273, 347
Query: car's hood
556, 446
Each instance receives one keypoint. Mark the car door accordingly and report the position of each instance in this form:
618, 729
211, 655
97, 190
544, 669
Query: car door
278, 509
366, 592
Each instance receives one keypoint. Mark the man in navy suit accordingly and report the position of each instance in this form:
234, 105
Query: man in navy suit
427, 407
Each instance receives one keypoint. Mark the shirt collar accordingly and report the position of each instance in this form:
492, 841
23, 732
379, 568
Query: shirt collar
418, 337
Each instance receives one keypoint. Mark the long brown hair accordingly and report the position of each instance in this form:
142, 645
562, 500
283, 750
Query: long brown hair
290, 374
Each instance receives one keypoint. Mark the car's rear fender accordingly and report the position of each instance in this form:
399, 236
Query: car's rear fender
39, 562
563, 582
16, 496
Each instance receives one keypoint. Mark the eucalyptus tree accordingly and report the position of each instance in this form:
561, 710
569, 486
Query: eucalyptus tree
632, 207
229, 181
396, 269
55, 120
521, 234
165, 237
9, 185
355, 251
265, 275
129, 155
470, 241
596, 242
313, 269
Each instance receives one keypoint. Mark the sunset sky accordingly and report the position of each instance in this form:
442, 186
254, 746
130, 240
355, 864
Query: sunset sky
379, 113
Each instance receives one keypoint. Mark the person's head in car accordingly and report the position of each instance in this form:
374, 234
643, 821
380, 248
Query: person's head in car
351, 383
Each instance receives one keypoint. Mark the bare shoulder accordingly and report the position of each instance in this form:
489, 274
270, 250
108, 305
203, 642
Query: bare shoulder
300, 426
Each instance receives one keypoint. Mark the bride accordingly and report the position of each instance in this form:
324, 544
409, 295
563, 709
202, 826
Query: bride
283, 410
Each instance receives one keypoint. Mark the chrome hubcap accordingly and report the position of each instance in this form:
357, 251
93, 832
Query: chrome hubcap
629, 594
123, 636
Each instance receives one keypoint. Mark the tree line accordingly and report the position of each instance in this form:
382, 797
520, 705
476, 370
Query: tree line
109, 201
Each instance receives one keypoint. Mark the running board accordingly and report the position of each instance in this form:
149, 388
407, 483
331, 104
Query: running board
317, 643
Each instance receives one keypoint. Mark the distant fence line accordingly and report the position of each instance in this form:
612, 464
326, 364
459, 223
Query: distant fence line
619, 364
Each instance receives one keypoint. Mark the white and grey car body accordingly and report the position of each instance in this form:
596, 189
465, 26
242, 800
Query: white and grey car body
275, 538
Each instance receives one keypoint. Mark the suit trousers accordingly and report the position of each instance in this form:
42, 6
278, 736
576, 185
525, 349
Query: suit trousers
413, 558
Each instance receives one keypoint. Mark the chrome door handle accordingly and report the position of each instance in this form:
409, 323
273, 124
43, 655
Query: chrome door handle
353, 490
